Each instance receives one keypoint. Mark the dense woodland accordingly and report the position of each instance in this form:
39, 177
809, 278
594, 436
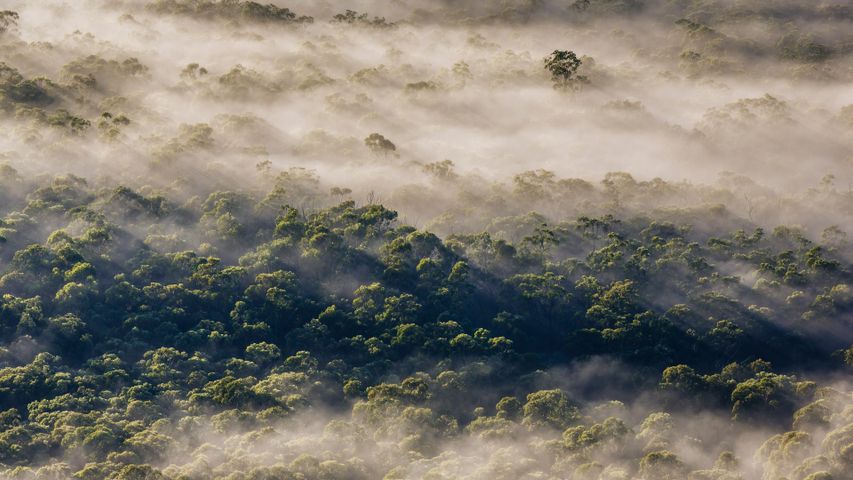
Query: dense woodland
191, 287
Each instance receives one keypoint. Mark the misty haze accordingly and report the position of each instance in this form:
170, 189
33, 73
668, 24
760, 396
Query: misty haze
426, 239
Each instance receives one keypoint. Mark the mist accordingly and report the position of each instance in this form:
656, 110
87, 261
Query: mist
539, 239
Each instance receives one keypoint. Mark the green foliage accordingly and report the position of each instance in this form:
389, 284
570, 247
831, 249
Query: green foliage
764, 396
15, 89
797, 46
549, 408
8, 20
270, 313
227, 9
351, 17
205, 304
661, 465
563, 66
378, 144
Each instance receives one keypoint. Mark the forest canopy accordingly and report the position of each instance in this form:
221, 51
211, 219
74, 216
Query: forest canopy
585, 240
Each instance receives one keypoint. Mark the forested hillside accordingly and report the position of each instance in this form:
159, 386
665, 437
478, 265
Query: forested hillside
540, 239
